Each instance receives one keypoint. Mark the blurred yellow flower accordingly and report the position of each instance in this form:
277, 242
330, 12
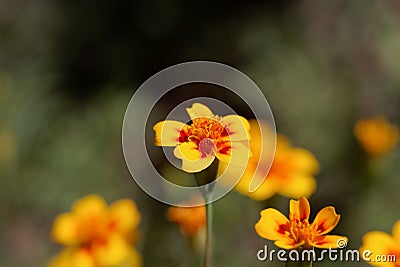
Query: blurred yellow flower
191, 220
376, 135
207, 137
297, 231
292, 170
381, 248
96, 235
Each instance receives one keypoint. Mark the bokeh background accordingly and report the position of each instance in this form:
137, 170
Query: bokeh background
69, 68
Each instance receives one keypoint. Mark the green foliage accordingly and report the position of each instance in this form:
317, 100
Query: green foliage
322, 66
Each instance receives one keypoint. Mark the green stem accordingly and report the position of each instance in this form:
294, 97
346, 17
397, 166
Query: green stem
209, 232
204, 180
298, 264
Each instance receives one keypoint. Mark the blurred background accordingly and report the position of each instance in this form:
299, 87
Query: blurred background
69, 68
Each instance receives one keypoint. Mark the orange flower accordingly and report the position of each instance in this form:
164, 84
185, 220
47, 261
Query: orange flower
96, 235
297, 231
190, 219
207, 137
382, 249
292, 170
376, 135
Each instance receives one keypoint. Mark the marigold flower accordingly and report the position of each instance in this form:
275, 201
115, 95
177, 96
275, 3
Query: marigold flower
291, 173
376, 135
191, 220
297, 231
384, 246
208, 136
96, 235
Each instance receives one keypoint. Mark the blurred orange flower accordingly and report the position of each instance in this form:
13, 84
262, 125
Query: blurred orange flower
292, 170
382, 249
376, 135
96, 235
297, 231
208, 137
191, 220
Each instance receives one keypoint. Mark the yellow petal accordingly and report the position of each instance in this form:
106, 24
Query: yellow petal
90, 206
266, 190
237, 128
113, 252
124, 215
303, 160
330, 241
379, 243
376, 135
167, 133
272, 225
282, 141
297, 186
295, 168
229, 175
73, 257
396, 232
188, 151
58, 261
192, 161
65, 229
326, 220
222, 167
288, 244
233, 153
262, 146
291, 161
197, 165
133, 259
199, 110
191, 220
256, 139
258, 143
300, 209
83, 259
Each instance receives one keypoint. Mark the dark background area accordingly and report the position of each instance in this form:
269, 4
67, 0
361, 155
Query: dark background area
69, 68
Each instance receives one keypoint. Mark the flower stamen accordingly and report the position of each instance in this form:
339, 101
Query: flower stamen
207, 147
202, 128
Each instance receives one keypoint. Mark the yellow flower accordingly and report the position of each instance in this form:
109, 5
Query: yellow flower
297, 231
208, 136
292, 170
96, 235
382, 249
191, 220
376, 135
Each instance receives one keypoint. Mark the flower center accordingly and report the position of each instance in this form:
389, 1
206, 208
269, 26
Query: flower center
202, 128
207, 147
302, 231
